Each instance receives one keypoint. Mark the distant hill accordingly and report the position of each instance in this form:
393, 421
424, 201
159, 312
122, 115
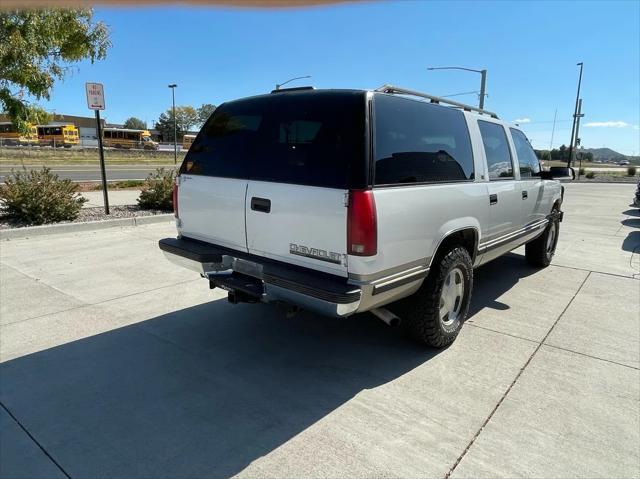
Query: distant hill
604, 153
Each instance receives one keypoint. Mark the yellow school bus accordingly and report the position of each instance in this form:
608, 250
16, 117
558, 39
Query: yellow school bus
127, 138
58, 135
187, 140
9, 135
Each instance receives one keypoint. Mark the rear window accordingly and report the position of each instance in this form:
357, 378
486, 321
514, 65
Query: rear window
416, 142
308, 138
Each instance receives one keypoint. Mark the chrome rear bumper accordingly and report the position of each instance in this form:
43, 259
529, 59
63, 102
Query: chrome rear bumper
258, 279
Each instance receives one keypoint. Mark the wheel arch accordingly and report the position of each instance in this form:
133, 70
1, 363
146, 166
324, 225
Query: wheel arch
465, 236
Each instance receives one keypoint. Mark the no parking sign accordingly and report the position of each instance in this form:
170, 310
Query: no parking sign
95, 96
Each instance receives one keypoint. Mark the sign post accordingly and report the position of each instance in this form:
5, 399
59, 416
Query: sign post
95, 101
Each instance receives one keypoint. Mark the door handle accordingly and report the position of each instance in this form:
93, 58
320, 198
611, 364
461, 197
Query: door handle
493, 199
525, 195
261, 204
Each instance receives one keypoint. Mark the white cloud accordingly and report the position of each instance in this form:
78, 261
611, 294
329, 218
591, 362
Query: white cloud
636, 127
522, 120
607, 124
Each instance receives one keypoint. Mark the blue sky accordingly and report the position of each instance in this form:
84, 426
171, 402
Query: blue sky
530, 50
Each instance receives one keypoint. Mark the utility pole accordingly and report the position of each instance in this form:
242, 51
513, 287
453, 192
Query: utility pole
483, 84
575, 117
577, 139
553, 130
483, 80
175, 124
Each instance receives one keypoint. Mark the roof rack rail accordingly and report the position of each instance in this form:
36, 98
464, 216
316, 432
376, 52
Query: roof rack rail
294, 88
433, 99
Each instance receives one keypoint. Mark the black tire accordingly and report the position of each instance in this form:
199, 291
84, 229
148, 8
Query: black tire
539, 252
420, 313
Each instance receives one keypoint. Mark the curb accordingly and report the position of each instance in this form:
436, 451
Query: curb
29, 231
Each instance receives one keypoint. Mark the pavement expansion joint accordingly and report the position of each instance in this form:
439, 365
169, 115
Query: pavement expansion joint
35, 441
501, 400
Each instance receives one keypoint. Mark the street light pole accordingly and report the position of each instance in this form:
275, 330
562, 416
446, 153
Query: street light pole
483, 80
175, 124
575, 117
278, 85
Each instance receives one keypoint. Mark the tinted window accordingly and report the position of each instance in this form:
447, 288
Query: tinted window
416, 142
310, 138
529, 164
496, 148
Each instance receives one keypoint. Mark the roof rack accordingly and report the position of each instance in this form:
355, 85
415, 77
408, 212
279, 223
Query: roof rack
294, 88
433, 99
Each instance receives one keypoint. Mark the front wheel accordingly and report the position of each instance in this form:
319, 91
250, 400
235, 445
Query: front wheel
435, 313
539, 252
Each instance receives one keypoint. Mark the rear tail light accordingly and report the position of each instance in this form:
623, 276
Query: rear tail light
362, 227
175, 198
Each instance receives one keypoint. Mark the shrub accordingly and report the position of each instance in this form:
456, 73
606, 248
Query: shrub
590, 175
36, 197
631, 171
581, 171
157, 191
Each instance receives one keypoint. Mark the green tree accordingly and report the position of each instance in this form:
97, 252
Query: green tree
186, 117
38, 47
204, 112
135, 123
165, 126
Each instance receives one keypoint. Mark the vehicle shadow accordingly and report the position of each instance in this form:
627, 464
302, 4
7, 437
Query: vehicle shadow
200, 392
631, 222
206, 390
496, 278
632, 242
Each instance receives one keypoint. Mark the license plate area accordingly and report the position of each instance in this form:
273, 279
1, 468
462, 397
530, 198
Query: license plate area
246, 267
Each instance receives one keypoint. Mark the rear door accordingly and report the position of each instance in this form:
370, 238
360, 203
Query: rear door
212, 210
309, 151
504, 192
214, 177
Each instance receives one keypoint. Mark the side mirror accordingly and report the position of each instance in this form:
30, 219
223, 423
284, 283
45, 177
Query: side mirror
559, 173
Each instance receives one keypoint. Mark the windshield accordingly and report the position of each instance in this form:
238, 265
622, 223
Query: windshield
311, 137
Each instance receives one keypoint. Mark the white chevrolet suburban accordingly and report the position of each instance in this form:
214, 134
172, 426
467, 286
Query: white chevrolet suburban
346, 201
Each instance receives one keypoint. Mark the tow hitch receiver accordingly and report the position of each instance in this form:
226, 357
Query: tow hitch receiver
241, 288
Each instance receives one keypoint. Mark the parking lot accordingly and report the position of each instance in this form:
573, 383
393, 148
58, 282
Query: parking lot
116, 363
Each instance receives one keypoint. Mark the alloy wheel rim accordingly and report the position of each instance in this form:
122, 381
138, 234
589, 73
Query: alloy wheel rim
451, 297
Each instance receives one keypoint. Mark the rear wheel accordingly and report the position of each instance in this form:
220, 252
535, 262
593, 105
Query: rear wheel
539, 252
435, 313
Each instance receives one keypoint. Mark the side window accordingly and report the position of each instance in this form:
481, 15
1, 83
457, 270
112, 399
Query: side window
496, 148
416, 142
529, 163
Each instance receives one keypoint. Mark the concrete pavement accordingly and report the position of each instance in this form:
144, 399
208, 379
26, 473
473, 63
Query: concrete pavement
115, 363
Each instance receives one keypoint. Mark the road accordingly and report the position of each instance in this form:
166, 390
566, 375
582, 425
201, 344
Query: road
116, 363
92, 172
